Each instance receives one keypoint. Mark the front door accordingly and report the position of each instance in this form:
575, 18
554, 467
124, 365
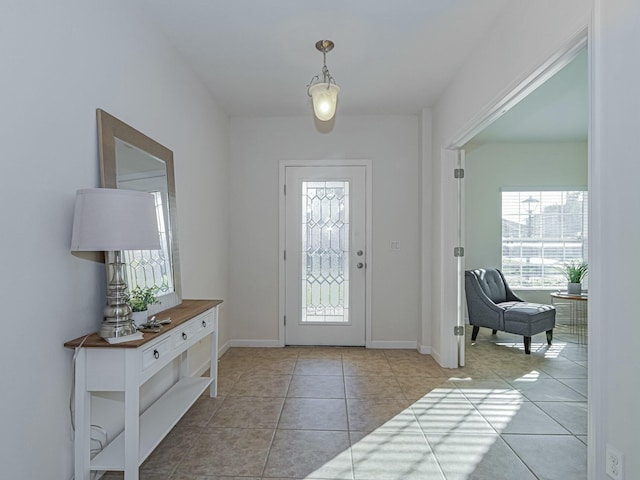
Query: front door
325, 257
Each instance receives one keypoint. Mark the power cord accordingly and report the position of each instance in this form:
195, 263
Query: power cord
102, 444
73, 386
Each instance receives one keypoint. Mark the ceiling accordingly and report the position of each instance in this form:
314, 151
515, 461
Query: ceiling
390, 57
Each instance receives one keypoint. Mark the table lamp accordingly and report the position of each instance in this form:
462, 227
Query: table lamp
112, 220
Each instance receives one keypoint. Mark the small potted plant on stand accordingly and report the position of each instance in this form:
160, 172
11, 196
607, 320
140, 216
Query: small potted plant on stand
139, 300
575, 272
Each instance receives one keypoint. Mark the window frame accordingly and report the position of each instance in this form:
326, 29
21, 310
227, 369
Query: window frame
543, 273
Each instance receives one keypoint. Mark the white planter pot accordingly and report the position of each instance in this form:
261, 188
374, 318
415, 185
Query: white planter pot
139, 317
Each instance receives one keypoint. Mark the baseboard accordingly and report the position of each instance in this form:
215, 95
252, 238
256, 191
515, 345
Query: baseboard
393, 344
255, 343
223, 349
377, 344
424, 349
436, 356
202, 368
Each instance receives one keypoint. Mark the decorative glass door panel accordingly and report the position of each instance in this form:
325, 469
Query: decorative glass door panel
324, 279
152, 268
325, 252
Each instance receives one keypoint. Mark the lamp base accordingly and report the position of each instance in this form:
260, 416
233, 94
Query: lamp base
111, 329
117, 322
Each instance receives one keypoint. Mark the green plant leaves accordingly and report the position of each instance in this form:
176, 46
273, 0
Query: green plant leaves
575, 270
139, 299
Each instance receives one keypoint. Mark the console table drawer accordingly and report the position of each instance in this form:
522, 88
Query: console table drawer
204, 321
183, 335
156, 354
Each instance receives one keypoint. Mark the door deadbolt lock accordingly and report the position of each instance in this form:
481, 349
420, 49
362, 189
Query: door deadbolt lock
359, 253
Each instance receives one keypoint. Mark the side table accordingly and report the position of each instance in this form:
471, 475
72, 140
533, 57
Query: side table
578, 320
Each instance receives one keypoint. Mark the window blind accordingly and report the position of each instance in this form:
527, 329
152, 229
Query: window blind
541, 230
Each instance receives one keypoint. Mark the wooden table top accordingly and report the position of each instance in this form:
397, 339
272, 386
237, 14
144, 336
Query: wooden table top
178, 314
570, 296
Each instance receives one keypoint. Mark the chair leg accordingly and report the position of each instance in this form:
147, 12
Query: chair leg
527, 345
549, 336
474, 333
494, 331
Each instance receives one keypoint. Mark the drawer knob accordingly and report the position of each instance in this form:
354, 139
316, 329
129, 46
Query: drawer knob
204, 324
184, 336
156, 354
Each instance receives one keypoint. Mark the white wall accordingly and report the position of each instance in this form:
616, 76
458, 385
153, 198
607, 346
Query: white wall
257, 146
523, 37
490, 167
615, 197
63, 60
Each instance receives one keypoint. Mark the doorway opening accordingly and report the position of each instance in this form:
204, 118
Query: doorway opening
561, 164
534, 141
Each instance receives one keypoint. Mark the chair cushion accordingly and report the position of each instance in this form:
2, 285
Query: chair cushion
528, 319
492, 285
523, 311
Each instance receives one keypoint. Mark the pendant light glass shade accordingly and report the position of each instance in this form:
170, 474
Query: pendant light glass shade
324, 92
325, 99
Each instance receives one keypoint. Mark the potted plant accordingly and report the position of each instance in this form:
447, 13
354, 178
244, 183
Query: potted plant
139, 300
574, 272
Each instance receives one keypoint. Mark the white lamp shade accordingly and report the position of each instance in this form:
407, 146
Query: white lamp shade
113, 219
325, 99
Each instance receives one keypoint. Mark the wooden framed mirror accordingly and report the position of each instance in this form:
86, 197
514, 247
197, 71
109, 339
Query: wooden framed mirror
131, 160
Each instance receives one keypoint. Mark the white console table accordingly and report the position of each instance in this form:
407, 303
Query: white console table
124, 367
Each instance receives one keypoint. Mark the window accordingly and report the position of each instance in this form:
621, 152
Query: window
152, 268
541, 230
325, 251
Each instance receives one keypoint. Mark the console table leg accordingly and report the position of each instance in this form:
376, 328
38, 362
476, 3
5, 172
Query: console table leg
81, 416
213, 370
131, 417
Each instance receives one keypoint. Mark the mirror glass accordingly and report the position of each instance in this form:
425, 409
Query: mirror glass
132, 161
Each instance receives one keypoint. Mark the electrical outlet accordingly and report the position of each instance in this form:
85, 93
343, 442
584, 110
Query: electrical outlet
614, 467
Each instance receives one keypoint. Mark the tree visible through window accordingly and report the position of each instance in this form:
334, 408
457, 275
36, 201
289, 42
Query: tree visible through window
541, 230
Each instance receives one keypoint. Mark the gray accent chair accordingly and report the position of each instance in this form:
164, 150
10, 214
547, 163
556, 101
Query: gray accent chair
492, 304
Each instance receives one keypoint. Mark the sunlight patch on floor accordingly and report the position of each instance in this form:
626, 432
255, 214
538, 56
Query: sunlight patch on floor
452, 436
391, 455
555, 350
532, 376
461, 455
550, 351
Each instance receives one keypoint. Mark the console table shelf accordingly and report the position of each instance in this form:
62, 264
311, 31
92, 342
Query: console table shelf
104, 367
155, 423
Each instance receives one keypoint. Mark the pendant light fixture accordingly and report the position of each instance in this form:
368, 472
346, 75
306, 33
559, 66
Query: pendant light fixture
324, 94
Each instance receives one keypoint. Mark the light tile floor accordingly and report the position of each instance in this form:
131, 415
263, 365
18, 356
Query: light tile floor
357, 414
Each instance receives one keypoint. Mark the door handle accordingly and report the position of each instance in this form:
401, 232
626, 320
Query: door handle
359, 265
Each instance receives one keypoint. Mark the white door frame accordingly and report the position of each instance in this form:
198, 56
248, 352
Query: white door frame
450, 155
283, 164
